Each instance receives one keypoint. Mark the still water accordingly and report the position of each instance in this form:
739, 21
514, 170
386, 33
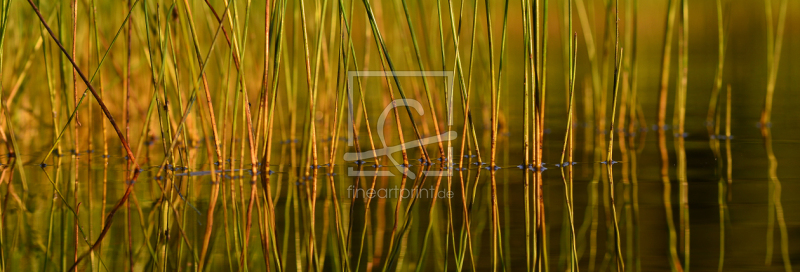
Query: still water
730, 203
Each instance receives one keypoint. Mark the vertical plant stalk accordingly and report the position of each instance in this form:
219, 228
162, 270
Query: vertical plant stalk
75, 125
568, 146
610, 163
493, 118
683, 70
593, 143
526, 109
492, 163
269, 133
54, 112
723, 187
721, 44
465, 237
126, 119
269, 209
662, 141
541, 33
774, 48
269, 123
263, 102
625, 135
665, 63
635, 256
249, 129
51, 88
312, 135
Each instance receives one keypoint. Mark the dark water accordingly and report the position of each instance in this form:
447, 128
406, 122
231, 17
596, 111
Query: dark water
727, 202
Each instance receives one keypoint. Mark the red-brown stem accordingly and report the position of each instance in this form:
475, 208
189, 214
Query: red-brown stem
74, 13
249, 220
126, 116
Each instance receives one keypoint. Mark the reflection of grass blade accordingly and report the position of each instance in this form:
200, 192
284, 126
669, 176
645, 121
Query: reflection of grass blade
776, 210
722, 201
